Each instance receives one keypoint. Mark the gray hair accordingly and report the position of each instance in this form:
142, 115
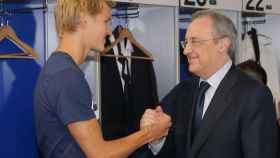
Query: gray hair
223, 26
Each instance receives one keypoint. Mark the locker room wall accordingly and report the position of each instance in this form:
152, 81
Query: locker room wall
155, 34
17, 82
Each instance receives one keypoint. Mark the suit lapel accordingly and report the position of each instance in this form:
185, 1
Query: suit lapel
215, 110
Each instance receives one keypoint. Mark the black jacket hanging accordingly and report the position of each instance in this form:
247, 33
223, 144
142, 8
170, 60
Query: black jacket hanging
122, 109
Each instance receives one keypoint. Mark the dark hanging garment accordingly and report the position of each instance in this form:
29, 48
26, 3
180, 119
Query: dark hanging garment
112, 97
122, 106
143, 93
143, 87
254, 36
112, 100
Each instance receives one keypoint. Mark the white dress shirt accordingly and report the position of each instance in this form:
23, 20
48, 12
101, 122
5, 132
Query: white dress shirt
126, 50
214, 82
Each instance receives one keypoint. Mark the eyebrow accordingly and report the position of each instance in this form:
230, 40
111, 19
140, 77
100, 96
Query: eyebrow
109, 19
191, 38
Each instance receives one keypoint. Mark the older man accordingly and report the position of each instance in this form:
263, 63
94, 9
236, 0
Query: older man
221, 113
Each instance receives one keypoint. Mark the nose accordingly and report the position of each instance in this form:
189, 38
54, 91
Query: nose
187, 49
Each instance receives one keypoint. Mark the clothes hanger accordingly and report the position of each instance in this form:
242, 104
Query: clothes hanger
126, 56
125, 33
7, 31
269, 39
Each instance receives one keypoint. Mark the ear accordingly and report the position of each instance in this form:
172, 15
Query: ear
224, 44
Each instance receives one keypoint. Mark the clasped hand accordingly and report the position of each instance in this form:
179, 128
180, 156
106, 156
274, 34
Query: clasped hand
158, 122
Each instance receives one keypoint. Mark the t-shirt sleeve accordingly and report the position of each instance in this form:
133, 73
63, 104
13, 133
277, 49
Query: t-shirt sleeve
74, 99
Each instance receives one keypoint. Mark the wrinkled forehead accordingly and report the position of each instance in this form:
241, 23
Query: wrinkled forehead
200, 27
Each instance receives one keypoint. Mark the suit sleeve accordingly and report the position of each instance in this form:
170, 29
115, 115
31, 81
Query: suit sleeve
259, 129
168, 104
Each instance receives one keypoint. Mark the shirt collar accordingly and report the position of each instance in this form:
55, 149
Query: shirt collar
217, 77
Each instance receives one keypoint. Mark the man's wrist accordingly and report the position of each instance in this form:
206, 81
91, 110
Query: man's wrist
147, 130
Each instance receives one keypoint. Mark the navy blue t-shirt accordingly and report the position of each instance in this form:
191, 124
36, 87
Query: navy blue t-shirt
62, 96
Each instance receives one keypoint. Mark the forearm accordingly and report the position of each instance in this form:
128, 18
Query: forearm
89, 136
123, 147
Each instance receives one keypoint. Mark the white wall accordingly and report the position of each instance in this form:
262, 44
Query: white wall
155, 29
271, 29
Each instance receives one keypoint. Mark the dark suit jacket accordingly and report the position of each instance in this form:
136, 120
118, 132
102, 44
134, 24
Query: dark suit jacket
278, 141
240, 121
121, 117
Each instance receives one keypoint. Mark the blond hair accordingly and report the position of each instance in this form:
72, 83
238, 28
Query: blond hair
67, 13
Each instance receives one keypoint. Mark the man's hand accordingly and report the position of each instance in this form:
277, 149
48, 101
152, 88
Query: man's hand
157, 122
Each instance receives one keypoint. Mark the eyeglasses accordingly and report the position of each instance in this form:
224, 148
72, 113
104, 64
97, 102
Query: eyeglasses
194, 41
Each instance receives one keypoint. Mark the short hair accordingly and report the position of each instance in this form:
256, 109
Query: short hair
253, 69
222, 25
67, 13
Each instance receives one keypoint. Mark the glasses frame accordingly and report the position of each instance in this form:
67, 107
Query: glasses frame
194, 41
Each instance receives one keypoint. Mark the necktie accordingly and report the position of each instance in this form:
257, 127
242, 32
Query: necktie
125, 73
199, 103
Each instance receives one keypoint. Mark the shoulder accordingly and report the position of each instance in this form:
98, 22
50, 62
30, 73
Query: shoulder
183, 89
248, 82
61, 67
247, 86
61, 74
186, 84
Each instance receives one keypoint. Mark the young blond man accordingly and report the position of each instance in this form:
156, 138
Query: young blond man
66, 126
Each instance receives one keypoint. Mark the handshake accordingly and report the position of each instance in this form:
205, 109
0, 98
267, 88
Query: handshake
156, 122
